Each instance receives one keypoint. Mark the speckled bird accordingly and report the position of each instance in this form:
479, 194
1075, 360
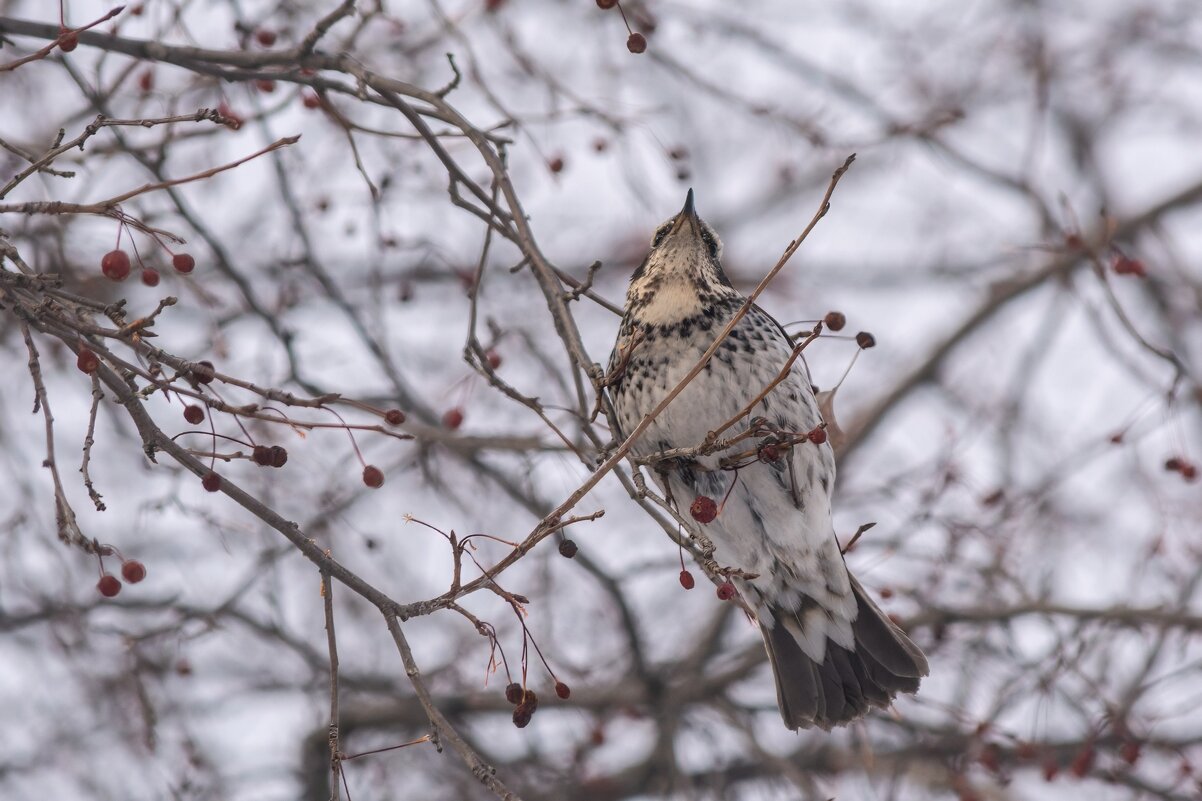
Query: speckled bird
833, 652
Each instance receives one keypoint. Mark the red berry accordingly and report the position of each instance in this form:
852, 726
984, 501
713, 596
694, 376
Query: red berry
835, 320
1189, 472
133, 571
605, 5
1024, 750
373, 476
310, 100
886, 593
494, 359
453, 418
865, 340
704, 510
637, 43
150, 277
726, 591
87, 361
600, 145
146, 80
68, 42
194, 414
233, 120
1174, 464
817, 435
1129, 751
555, 164
203, 372
137, 10
563, 690
1128, 266
109, 585
115, 265
265, 36
1050, 768
183, 263
394, 417
686, 580
211, 481
265, 85
568, 549
1083, 761
514, 693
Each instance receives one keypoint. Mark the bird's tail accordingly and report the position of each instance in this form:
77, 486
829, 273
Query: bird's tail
847, 683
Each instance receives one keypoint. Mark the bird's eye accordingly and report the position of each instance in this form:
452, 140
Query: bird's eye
659, 236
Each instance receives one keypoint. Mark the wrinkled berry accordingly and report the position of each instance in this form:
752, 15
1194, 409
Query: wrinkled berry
865, 340
394, 417
686, 580
726, 591
373, 476
637, 43
704, 509
568, 549
211, 482
514, 693
563, 690
87, 361
835, 320
194, 414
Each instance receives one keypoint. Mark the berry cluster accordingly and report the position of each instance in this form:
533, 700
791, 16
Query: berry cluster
132, 571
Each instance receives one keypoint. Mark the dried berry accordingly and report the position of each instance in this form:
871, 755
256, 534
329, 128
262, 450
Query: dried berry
265, 85
183, 263
1083, 761
68, 42
563, 690
605, 5
133, 571
494, 359
555, 164
726, 591
865, 340
686, 580
1129, 751
453, 418
261, 455
265, 36
373, 476
817, 435
279, 456
525, 709
204, 372
704, 509
150, 277
769, 453
194, 414
115, 265
310, 100
211, 482
87, 361
394, 417
109, 585
637, 43
514, 693
835, 320
568, 549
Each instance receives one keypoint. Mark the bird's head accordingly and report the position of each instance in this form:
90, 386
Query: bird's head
682, 273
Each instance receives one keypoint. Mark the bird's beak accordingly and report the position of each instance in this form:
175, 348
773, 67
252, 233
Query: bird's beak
687, 214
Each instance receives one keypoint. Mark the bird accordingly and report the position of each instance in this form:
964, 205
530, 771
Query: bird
833, 652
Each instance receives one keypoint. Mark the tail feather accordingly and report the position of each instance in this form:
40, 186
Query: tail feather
847, 683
